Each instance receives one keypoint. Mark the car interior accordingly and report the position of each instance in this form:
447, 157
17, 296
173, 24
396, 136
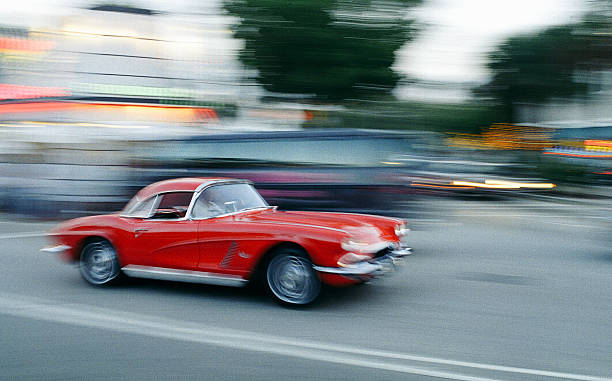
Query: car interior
172, 205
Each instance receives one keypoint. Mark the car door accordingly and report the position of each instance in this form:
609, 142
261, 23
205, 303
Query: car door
218, 244
167, 244
166, 238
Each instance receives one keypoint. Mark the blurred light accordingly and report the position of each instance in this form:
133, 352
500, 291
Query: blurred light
521, 185
435, 186
8, 45
505, 137
16, 108
206, 113
598, 144
502, 184
147, 112
9, 91
583, 155
484, 185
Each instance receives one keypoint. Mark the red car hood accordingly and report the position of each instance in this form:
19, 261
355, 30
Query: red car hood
352, 224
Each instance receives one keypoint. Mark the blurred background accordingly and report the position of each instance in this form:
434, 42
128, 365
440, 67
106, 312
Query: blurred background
325, 104
486, 123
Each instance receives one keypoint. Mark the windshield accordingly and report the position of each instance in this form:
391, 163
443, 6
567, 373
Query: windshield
138, 209
227, 198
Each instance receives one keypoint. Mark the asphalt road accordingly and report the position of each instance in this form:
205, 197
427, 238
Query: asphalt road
504, 292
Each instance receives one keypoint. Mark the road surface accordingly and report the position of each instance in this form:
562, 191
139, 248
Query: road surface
493, 291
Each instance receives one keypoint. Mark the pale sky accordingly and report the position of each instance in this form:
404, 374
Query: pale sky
458, 34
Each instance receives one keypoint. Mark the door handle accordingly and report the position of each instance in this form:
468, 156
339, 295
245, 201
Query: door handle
139, 231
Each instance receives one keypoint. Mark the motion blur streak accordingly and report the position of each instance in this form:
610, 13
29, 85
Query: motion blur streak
520, 185
22, 235
33, 308
481, 185
486, 124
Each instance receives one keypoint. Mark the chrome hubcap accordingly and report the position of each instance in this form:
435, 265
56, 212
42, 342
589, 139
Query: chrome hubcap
292, 279
98, 263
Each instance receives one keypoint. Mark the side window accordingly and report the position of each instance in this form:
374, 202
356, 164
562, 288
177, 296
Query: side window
172, 205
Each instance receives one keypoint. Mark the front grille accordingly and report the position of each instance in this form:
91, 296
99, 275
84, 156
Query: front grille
383, 252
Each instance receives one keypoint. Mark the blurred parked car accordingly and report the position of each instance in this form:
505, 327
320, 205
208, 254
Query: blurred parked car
343, 170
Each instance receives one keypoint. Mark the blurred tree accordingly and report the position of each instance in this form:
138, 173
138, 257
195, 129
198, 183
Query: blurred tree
468, 117
555, 63
330, 50
534, 68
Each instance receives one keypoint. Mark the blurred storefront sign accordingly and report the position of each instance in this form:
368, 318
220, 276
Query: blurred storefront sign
505, 137
67, 111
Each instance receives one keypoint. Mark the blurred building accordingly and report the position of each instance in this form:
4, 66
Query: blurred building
119, 54
79, 92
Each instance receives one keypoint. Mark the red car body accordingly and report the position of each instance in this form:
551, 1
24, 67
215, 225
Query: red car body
220, 231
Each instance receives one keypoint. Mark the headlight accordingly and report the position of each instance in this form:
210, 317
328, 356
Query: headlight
401, 229
352, 245
351, 258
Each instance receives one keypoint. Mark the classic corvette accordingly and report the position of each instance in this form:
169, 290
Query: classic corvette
221, 231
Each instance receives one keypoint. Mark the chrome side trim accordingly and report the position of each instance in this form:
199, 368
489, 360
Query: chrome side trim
55, 249
188, 276
361, 268
229, 256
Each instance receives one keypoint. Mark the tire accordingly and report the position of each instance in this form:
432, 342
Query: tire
99, 264
290, 278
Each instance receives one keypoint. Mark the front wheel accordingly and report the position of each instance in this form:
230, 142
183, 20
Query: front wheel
99, 264
291, 279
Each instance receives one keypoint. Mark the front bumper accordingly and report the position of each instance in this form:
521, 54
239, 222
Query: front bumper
375, 267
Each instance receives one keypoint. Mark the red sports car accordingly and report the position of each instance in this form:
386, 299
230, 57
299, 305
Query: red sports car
221, 231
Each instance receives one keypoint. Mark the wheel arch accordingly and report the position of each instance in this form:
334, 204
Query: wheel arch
84, 242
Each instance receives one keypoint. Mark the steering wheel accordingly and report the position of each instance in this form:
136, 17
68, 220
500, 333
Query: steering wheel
214, 208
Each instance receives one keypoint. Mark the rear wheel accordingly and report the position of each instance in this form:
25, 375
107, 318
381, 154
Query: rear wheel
99, 264
291, 279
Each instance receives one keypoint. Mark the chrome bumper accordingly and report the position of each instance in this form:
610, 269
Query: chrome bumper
377, 266
57, 249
